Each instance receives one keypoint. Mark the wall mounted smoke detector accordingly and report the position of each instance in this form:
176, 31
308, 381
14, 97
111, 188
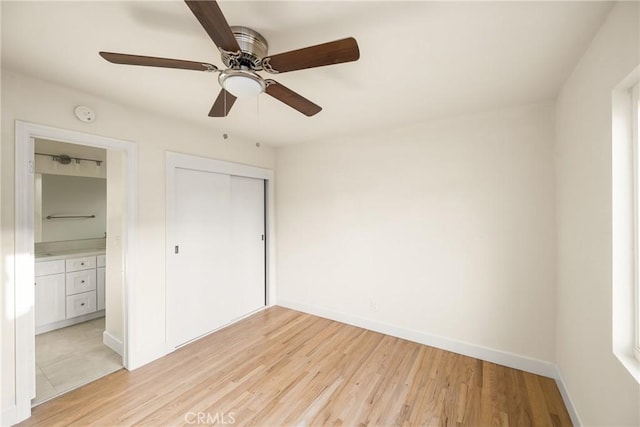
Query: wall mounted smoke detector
85, 114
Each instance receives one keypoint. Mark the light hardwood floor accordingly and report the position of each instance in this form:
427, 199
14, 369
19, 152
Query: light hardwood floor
281, 367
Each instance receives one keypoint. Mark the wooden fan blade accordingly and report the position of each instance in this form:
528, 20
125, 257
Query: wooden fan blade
292, 99
223, 104
214, 23
152, 61
336, 52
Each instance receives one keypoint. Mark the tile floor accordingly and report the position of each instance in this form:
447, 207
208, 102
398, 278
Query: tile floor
70, 357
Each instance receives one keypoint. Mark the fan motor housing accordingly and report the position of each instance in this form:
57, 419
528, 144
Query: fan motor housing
253, 47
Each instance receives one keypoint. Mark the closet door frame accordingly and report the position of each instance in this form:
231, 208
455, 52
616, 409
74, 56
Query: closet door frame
185, 161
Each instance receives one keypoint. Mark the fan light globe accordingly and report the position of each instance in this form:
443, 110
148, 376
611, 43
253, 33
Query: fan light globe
241, 83
242, 87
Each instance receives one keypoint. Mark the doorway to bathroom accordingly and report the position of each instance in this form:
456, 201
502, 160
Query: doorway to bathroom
78, 335
119, 259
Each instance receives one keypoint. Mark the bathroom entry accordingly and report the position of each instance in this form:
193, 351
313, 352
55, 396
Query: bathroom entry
78, 298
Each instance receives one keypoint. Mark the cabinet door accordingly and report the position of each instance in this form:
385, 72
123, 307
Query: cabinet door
50, 299
100, 288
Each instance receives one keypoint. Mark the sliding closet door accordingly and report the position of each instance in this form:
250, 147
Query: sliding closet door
247, 244
215, 265
198, 272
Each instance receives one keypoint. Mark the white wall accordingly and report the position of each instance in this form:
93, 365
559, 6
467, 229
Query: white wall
37, 101
603, 392
443, 228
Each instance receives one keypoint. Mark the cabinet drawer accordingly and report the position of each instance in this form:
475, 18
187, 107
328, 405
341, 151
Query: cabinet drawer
80, 304
81, 281
44, 268
76, 264
101, 260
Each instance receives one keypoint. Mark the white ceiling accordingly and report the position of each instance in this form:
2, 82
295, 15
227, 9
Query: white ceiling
418, 60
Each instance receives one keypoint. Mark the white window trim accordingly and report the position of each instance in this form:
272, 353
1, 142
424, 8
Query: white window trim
625, 225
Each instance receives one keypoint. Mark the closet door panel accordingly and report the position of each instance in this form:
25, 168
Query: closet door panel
198, 274
247, 244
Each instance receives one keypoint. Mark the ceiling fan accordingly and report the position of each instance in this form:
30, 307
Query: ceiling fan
244, 52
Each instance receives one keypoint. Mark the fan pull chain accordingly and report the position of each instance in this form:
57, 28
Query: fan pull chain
258, 118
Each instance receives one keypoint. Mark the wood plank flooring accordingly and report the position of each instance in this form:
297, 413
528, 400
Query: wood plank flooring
281, 367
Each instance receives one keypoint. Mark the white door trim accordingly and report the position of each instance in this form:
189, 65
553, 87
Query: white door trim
24, 247
186, 161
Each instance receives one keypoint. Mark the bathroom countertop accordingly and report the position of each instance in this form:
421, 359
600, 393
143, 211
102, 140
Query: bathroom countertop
56, 255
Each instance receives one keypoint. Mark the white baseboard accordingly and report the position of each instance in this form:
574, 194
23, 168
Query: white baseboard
516, 361
9, 416
169, 348
113, 343
151, 354
575, 418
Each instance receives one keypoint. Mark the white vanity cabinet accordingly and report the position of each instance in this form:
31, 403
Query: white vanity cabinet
69, 290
